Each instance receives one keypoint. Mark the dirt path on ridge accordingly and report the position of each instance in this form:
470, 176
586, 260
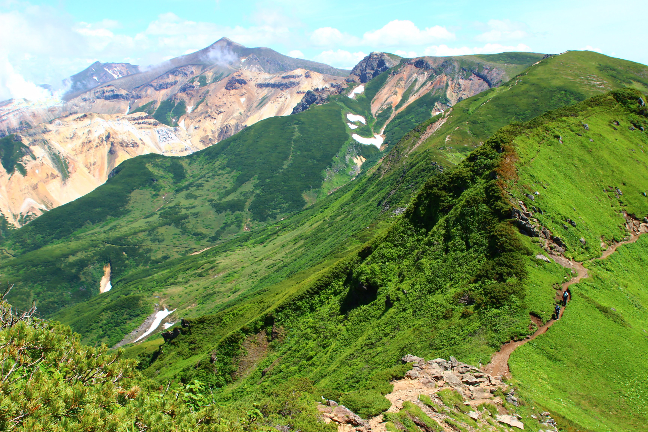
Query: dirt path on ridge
498, 365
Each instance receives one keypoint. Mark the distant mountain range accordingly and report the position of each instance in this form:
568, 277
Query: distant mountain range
119, 111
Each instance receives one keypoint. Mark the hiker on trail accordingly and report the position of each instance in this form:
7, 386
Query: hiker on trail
557, 311
565, 296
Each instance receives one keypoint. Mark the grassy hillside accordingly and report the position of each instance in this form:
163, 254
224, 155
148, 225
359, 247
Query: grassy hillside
150, 217
604, 324
453, 276
553, 83
154, 209
337, 293
601, 174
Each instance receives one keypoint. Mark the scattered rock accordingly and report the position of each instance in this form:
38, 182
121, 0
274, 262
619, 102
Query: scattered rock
473, 415
512, 400
443, 364
412, 374
451, 379
470, 379
341, 415
583, 241
543, 258
510, 420
409, 358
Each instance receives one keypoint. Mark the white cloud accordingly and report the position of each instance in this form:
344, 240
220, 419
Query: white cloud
407, 54
503, 30
340, 58
444, 50
404, 32
14, 85
330, 37
590, 48
296, 54
395, 33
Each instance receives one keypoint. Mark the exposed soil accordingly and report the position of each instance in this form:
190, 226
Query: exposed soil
105, 280
498, 365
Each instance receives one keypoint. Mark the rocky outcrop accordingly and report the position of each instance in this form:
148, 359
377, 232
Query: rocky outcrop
485, 399
235, 83
317, 97
229, 130
278, 85
108, 93
372, 66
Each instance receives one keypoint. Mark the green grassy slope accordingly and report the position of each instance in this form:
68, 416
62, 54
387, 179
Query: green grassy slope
156, 211
451, 277
589, 367
156, 208
553, 83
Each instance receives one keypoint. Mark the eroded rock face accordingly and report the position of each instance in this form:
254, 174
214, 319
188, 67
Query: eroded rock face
317, 96
71, 156
75, 153
372, 66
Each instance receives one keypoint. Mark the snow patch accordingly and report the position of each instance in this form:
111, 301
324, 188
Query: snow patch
108, 287
182, 124
356, 91
29, 205
159, 316
377, 140
113, 75
167, 325
352, 126
356, 118
242, 100
189, 109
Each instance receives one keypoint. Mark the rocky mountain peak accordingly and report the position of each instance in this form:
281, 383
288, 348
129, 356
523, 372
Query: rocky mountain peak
372, 66
226, 42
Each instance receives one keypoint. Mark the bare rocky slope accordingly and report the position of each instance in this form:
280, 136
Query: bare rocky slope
181, 107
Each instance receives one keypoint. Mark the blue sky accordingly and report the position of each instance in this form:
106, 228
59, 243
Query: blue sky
45, 41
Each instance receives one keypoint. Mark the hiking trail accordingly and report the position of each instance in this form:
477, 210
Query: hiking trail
498, 365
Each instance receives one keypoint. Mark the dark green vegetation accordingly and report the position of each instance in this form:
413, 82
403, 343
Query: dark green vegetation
169, 112
53, 383
155, 209
338, 292
12, 150
148, 108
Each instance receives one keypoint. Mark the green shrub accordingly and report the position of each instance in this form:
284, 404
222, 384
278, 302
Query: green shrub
452, 399
365, 403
